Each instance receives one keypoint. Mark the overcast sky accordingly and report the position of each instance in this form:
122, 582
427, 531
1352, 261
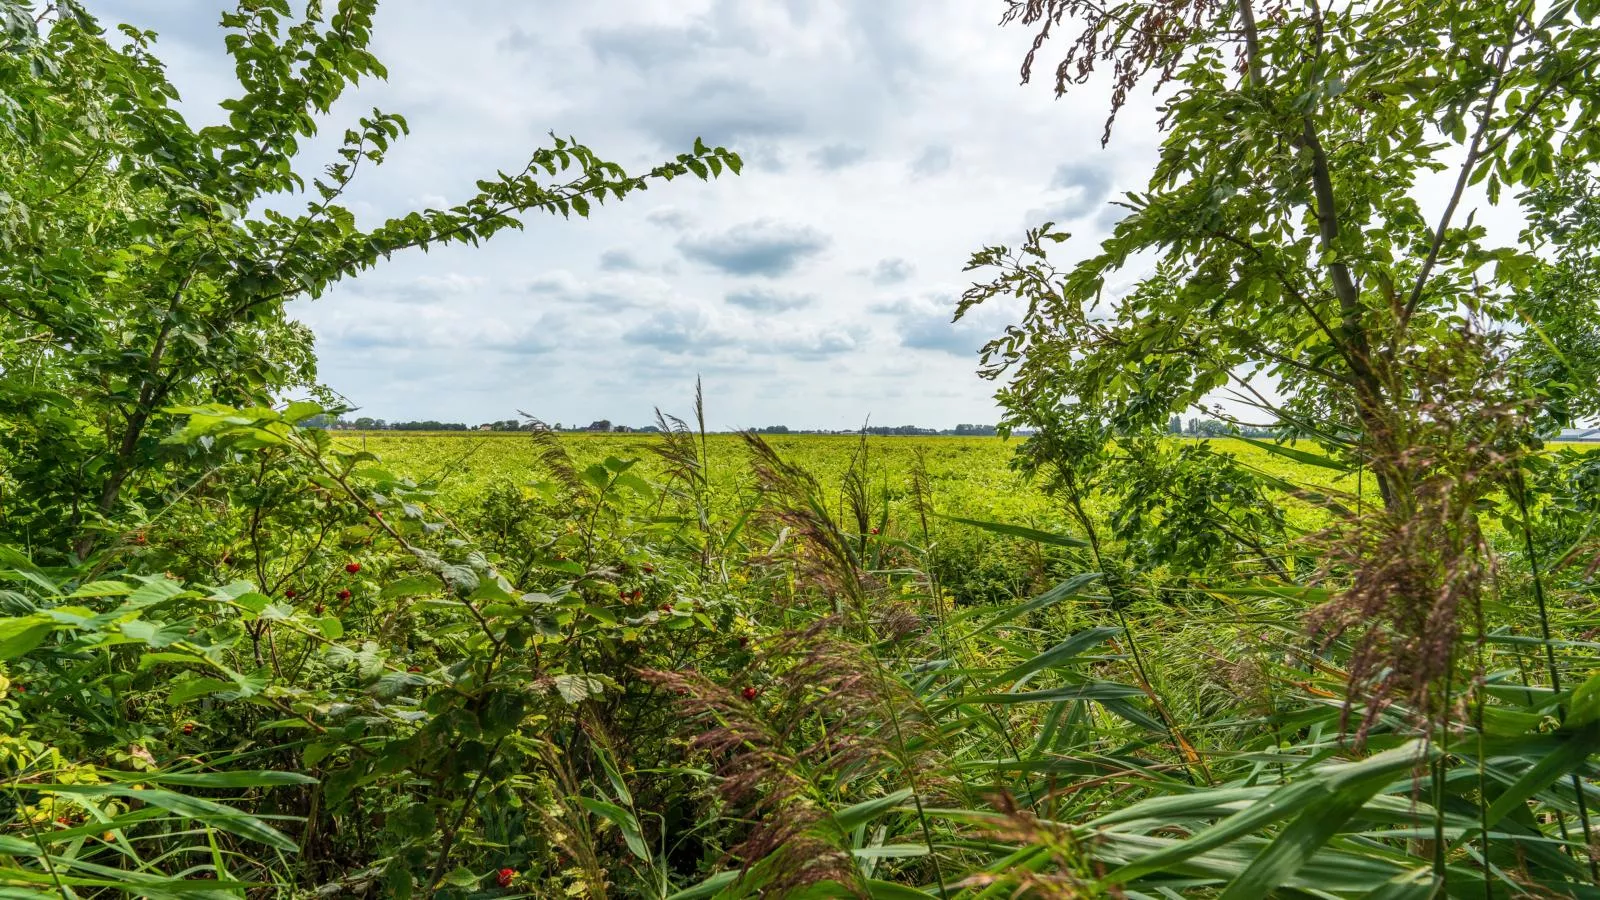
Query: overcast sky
884, 140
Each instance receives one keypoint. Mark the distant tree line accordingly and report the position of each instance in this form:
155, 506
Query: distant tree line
1215, 428
367, 423
1194, 427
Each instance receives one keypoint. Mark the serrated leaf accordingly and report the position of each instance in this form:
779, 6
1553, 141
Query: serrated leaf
577, 688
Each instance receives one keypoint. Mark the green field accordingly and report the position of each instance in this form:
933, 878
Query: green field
968, 477
972, 476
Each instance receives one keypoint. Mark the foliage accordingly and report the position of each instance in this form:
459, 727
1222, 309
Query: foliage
147, 263
242, 655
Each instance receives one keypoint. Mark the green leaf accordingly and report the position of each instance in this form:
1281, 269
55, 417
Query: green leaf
411, 586
709, 887
1584, 709
613, 775
1060, 653
207, 812
1315, 825
192, 688
102, 589
1362, 778
154, 591
21, 635
1571, 751
625, 822
15, 846
1022, 531
1089, 690
1301, 456
577, 688
853, 817
300, 410
888, 890
259, 778
1072, 587
154, 634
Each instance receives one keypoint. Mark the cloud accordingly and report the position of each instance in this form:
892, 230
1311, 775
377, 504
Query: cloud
421, 289
559, 282
610, 292
1078, 189
892, 270
853, 120
451, 333
837, 156
669, 217
650, 49
722, 111
763, 247
764, 300
925, 323
680, 330
828, 342
620, 259
933, 160
516, 40
1110, 215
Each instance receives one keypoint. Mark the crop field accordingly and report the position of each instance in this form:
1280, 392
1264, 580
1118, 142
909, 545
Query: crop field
967, 477
972, 477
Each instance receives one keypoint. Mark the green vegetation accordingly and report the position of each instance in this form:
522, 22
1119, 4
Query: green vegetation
242, 656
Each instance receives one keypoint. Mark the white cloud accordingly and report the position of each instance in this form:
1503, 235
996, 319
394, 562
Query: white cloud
886, 139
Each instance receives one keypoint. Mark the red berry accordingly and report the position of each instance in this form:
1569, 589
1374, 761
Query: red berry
504, 877
344, 594
750, 693
352, 568
648, 569
666, 607
139, 538
62, 820
413, 668
874, 530
188, 728
290, 593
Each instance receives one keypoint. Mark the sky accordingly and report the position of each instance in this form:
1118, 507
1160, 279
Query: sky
884, 142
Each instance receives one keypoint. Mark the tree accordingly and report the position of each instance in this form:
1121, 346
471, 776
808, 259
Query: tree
1293, 246
1558, 354
147, 263
1290, 237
